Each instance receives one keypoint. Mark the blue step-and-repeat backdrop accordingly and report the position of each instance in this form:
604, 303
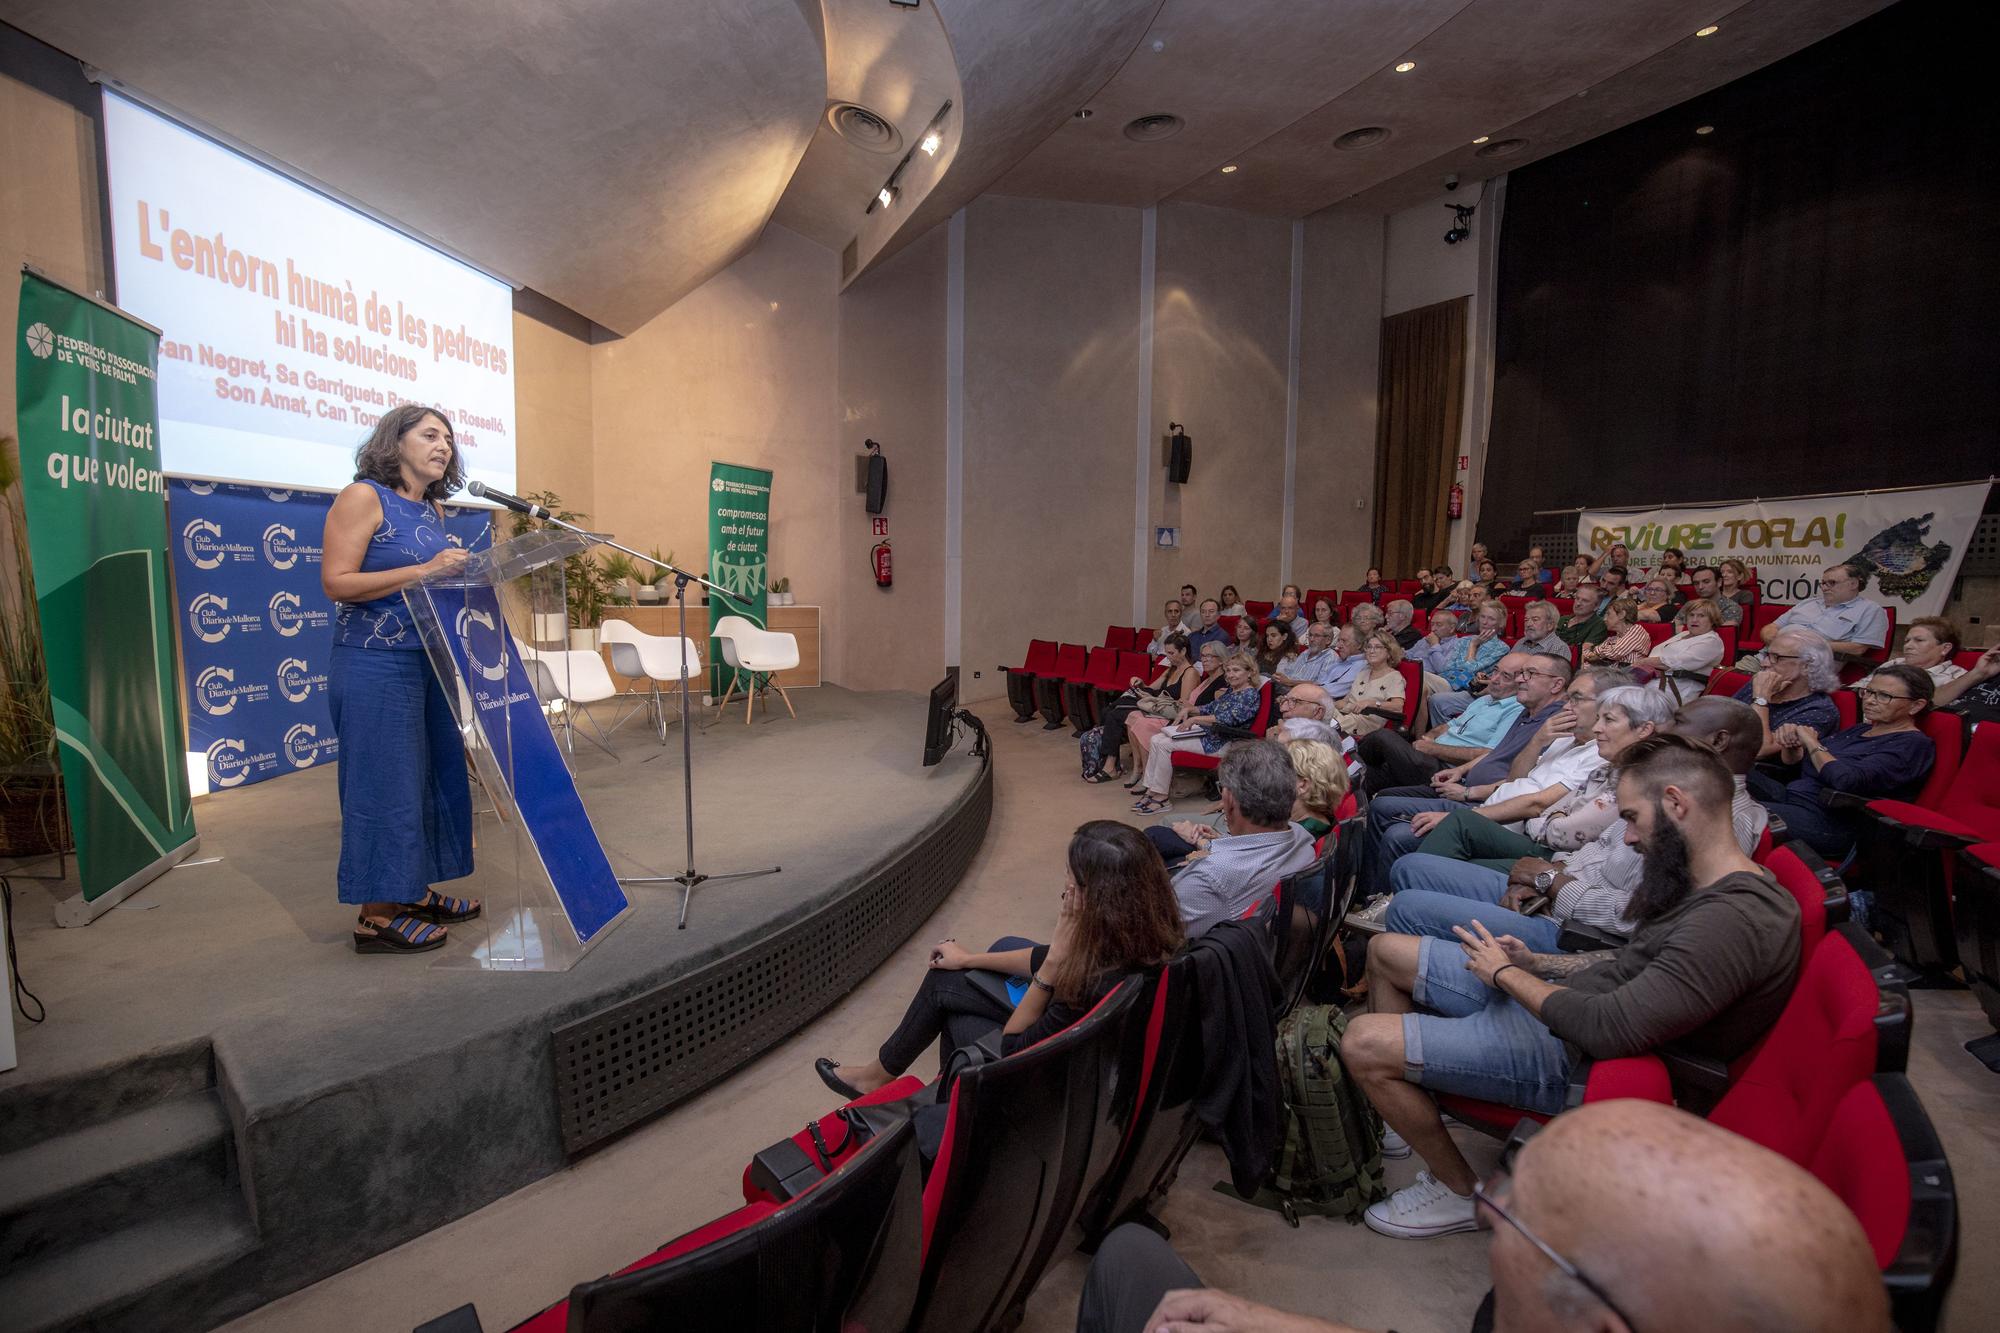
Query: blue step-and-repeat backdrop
256, 631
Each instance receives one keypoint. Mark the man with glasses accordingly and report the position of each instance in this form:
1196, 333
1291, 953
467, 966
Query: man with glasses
1391, 761
1732, 1238
1790, 686
1707, 971
1313, 664
1852, 624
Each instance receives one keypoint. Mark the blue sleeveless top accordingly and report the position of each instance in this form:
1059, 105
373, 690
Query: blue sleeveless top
410, 534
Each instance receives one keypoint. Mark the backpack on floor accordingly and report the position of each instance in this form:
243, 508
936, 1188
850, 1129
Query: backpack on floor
1330, 1161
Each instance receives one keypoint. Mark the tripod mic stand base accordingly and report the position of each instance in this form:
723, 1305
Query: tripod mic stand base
692, 878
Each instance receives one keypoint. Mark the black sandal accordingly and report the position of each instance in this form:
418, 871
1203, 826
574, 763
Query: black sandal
1101, 776
825, 1069
442, 910
403, 934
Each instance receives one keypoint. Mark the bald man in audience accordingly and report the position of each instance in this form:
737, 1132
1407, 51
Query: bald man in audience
1655, 1220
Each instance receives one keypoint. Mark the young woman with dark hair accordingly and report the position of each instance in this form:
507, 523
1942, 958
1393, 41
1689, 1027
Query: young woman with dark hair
1273, 646
1118, 915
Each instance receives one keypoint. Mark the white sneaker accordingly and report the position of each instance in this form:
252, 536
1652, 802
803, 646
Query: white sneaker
1372, 919
1393, 1146
1427, 1208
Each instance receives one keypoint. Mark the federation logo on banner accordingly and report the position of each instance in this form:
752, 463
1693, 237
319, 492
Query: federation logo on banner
283, 549
297, 681
288, 617
202, 539
41, 340
210, 619
217, 693
304, 744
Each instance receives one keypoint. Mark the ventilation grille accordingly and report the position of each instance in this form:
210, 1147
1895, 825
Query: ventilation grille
1982, 557
1501, 148
1365, 137
864, 129
1558, 548
627, 1063
1151, 129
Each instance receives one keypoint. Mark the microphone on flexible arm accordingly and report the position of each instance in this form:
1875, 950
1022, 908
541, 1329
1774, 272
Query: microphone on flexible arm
506, 501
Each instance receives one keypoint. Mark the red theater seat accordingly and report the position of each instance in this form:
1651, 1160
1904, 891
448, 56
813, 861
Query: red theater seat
1259, 611
1906, 847
1041, 658
1200, 762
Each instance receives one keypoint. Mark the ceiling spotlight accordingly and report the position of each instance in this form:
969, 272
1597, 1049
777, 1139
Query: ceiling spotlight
1709, 31
932, 142
1084, 113
1462, 226
1406, 67
1481, 139
1231, 167
886, 195
1704, 129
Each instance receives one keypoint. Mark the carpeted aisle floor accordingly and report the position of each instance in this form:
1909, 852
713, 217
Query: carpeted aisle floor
520, 1253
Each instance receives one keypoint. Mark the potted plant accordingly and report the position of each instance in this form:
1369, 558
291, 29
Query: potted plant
659, 580
33, 818
621, 578
583, 578
781, 593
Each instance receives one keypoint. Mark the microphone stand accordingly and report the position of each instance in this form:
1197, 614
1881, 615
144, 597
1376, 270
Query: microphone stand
691, 877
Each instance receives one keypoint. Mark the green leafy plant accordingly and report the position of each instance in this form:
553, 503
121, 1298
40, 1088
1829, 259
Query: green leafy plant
619, 575
661, 574
585, 586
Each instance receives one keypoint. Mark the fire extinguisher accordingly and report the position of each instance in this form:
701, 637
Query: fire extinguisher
884, 576
1455, 507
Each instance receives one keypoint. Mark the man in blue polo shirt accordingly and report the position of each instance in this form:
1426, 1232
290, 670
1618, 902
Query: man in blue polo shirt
1208, 631
1852, 624
1392, 761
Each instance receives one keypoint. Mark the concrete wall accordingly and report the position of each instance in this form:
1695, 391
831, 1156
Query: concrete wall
1340, 345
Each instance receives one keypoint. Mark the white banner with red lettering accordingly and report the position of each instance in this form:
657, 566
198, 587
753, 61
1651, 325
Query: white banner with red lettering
1904, 545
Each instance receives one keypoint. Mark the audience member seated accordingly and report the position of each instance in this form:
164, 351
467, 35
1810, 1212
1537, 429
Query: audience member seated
1439, 643
1243, 636
1708, 970
1261, 845
1487, 575
1476, 652
1231, 603
1527, 579
1585, 622
1321, 785
1613, 582
1622, 1215
1705, 585
1672, 569
1656, 602
1287, 613
1533, 896
1117, 914
1736, 587
1373, 585
1400, 620
1852, 624
1791, 684
1976, 694
1165, 690
1684, 661
1543, 573
1615, 556
1624, 641
1390, 761
1376, 698
1324, 613
1540, 621
1273, 644
1538, 630
1306, 702
1191, 603
1208, 631
1886, 755
1340, 678
1539, 682
1196, 689
1366, 619
1234, 707
1477, 554
1928, 645
1173, 625
1312, 664
1437, 590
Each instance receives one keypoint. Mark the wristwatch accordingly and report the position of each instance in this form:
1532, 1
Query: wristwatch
1037, 980
1761, 702
1544, 881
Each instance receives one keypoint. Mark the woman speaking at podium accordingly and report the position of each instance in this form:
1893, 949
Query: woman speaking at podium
405, 810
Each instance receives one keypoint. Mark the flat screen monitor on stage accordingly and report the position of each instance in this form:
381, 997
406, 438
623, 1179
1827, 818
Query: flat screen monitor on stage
940, 732
290, 322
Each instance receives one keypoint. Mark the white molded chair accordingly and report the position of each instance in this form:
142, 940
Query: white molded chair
657, 658
568, 681
761, 653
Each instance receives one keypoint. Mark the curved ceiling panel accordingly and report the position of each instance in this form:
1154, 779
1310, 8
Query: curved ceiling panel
612, 155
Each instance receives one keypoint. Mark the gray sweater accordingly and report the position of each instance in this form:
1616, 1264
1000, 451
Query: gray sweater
1708, 977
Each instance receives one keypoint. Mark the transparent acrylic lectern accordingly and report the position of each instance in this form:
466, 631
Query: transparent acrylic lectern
548, 889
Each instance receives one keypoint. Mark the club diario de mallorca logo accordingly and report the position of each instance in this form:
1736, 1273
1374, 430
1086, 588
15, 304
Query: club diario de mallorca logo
217, 693
283, 549
297, 681
41, 340
303, 745
288, 617
228, 762
482, 645
210, 619
206, 549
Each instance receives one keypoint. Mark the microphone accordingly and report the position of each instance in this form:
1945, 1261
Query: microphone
506, 501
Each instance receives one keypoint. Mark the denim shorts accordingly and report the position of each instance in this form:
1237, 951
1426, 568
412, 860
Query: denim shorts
1479, 1042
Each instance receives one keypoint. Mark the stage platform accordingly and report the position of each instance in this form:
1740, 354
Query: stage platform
226, 1103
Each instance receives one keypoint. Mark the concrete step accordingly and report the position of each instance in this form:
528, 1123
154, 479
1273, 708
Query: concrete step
77, 1188
33, 1110
91, 1285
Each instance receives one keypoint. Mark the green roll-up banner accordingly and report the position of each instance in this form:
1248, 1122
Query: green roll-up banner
97, 531
739, 554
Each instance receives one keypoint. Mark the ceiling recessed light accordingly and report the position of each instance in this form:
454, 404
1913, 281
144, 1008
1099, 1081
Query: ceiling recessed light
886, 195
1406, 67
1709, 31
1149, 129
1085, 113
1231, 167
1704, 129
1482, 139
1365, 137
932, 142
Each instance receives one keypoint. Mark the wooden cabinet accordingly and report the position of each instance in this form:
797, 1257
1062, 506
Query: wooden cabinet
801, 622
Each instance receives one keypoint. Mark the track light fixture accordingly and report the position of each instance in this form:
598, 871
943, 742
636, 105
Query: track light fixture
1461, 228
931, 141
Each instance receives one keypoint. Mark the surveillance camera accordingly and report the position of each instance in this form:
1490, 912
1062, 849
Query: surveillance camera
1451, 181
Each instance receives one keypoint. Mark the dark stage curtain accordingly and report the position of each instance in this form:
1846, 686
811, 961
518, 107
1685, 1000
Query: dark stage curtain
1422, 397
1801, 300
